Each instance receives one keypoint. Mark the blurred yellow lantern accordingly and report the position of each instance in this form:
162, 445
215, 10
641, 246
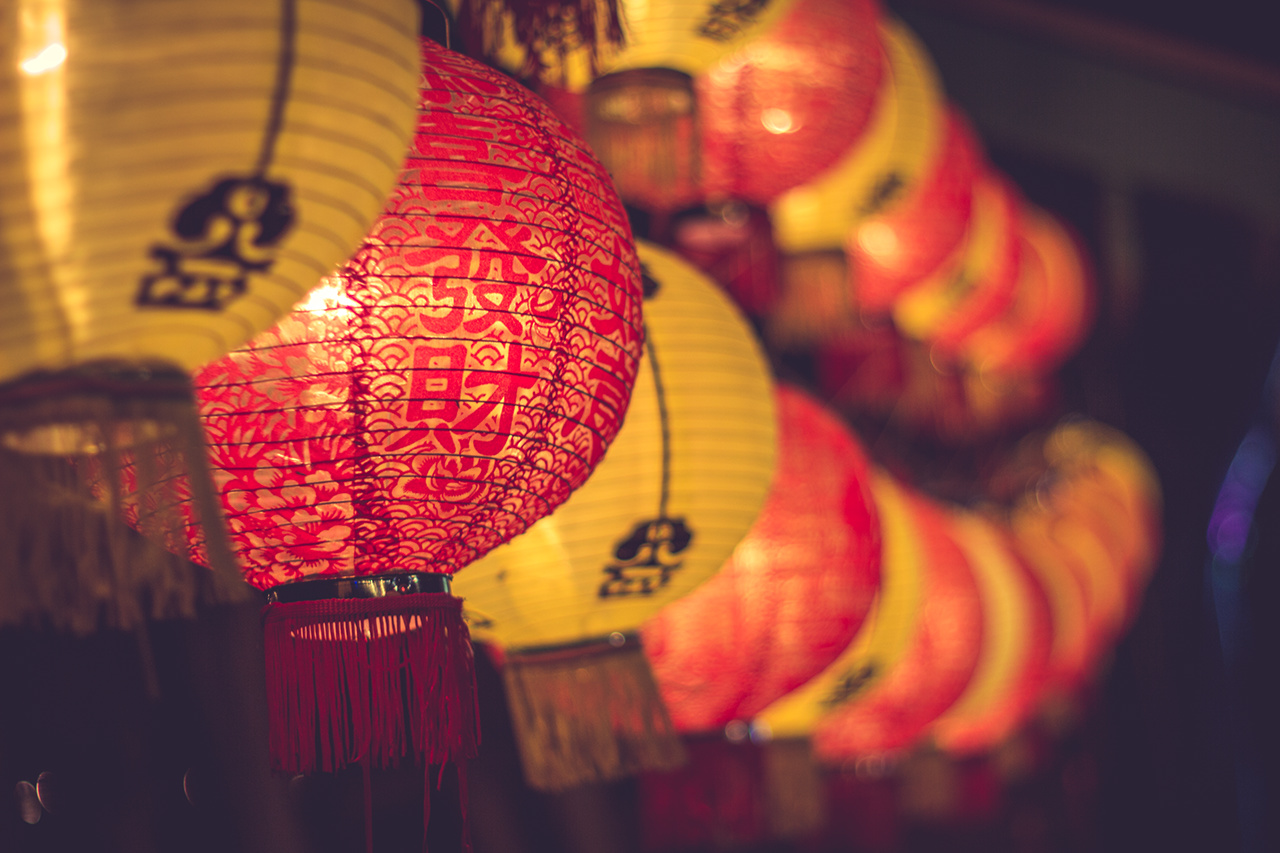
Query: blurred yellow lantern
680, 485
176, 176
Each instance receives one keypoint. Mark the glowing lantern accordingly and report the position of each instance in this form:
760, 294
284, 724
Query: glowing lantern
782, 109
885, 637
881, 165
909, 239
895, 705
176, 176
455, 382
1052, 307
1009, 678
978, 284
681, 484
793, 594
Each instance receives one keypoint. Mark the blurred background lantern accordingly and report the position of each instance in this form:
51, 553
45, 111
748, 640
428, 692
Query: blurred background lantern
1052, 307
977, 284
1017, 638
783, 107
176, 176
680, 486
789, 600
891, 712
455, 382
881, 164
909, 237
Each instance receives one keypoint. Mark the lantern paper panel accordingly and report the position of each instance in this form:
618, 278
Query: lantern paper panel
680, 486
793, 594
687, 36
893, 710
783, 108
178, 175
894, 151
452, 384
884, 638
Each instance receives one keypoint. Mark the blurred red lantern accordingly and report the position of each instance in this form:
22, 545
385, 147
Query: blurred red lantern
785, 106
894, 711
1011, 673
452, 384
788, 601
911, 238
793, 594
978, 283
1052, 307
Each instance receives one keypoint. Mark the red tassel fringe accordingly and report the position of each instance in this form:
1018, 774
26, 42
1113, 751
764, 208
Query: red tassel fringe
369, 679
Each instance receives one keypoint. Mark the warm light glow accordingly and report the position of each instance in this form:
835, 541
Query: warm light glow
47, 59
878, 239
778, 121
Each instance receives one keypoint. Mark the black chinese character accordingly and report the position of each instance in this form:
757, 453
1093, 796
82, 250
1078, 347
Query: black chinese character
646, 558
221, 237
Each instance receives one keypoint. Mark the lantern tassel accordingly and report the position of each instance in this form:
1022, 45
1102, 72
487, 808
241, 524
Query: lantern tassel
795, 793
81, 450
543, 28
369, 679
588, 713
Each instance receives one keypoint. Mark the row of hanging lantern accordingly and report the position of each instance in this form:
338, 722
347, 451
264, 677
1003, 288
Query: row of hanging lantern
460, 376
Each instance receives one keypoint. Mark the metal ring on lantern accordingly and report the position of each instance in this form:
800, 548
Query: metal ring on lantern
367, 586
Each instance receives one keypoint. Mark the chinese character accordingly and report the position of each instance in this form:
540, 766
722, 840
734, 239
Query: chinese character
646, 559
221, 237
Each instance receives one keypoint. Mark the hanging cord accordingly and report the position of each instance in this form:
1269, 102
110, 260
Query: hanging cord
444, 16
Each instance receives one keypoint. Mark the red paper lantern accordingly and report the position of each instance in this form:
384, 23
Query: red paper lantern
455, 382
911, 239
732, 243
931, 674
793, 594
783, 108
1052, 308
979, 283
1011, 674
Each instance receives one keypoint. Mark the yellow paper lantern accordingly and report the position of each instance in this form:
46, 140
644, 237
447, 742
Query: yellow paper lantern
881, 165
175, 175
680, 485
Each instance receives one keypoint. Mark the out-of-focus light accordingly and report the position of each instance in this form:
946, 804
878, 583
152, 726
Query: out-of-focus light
778, 121
878, 239
49, 58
